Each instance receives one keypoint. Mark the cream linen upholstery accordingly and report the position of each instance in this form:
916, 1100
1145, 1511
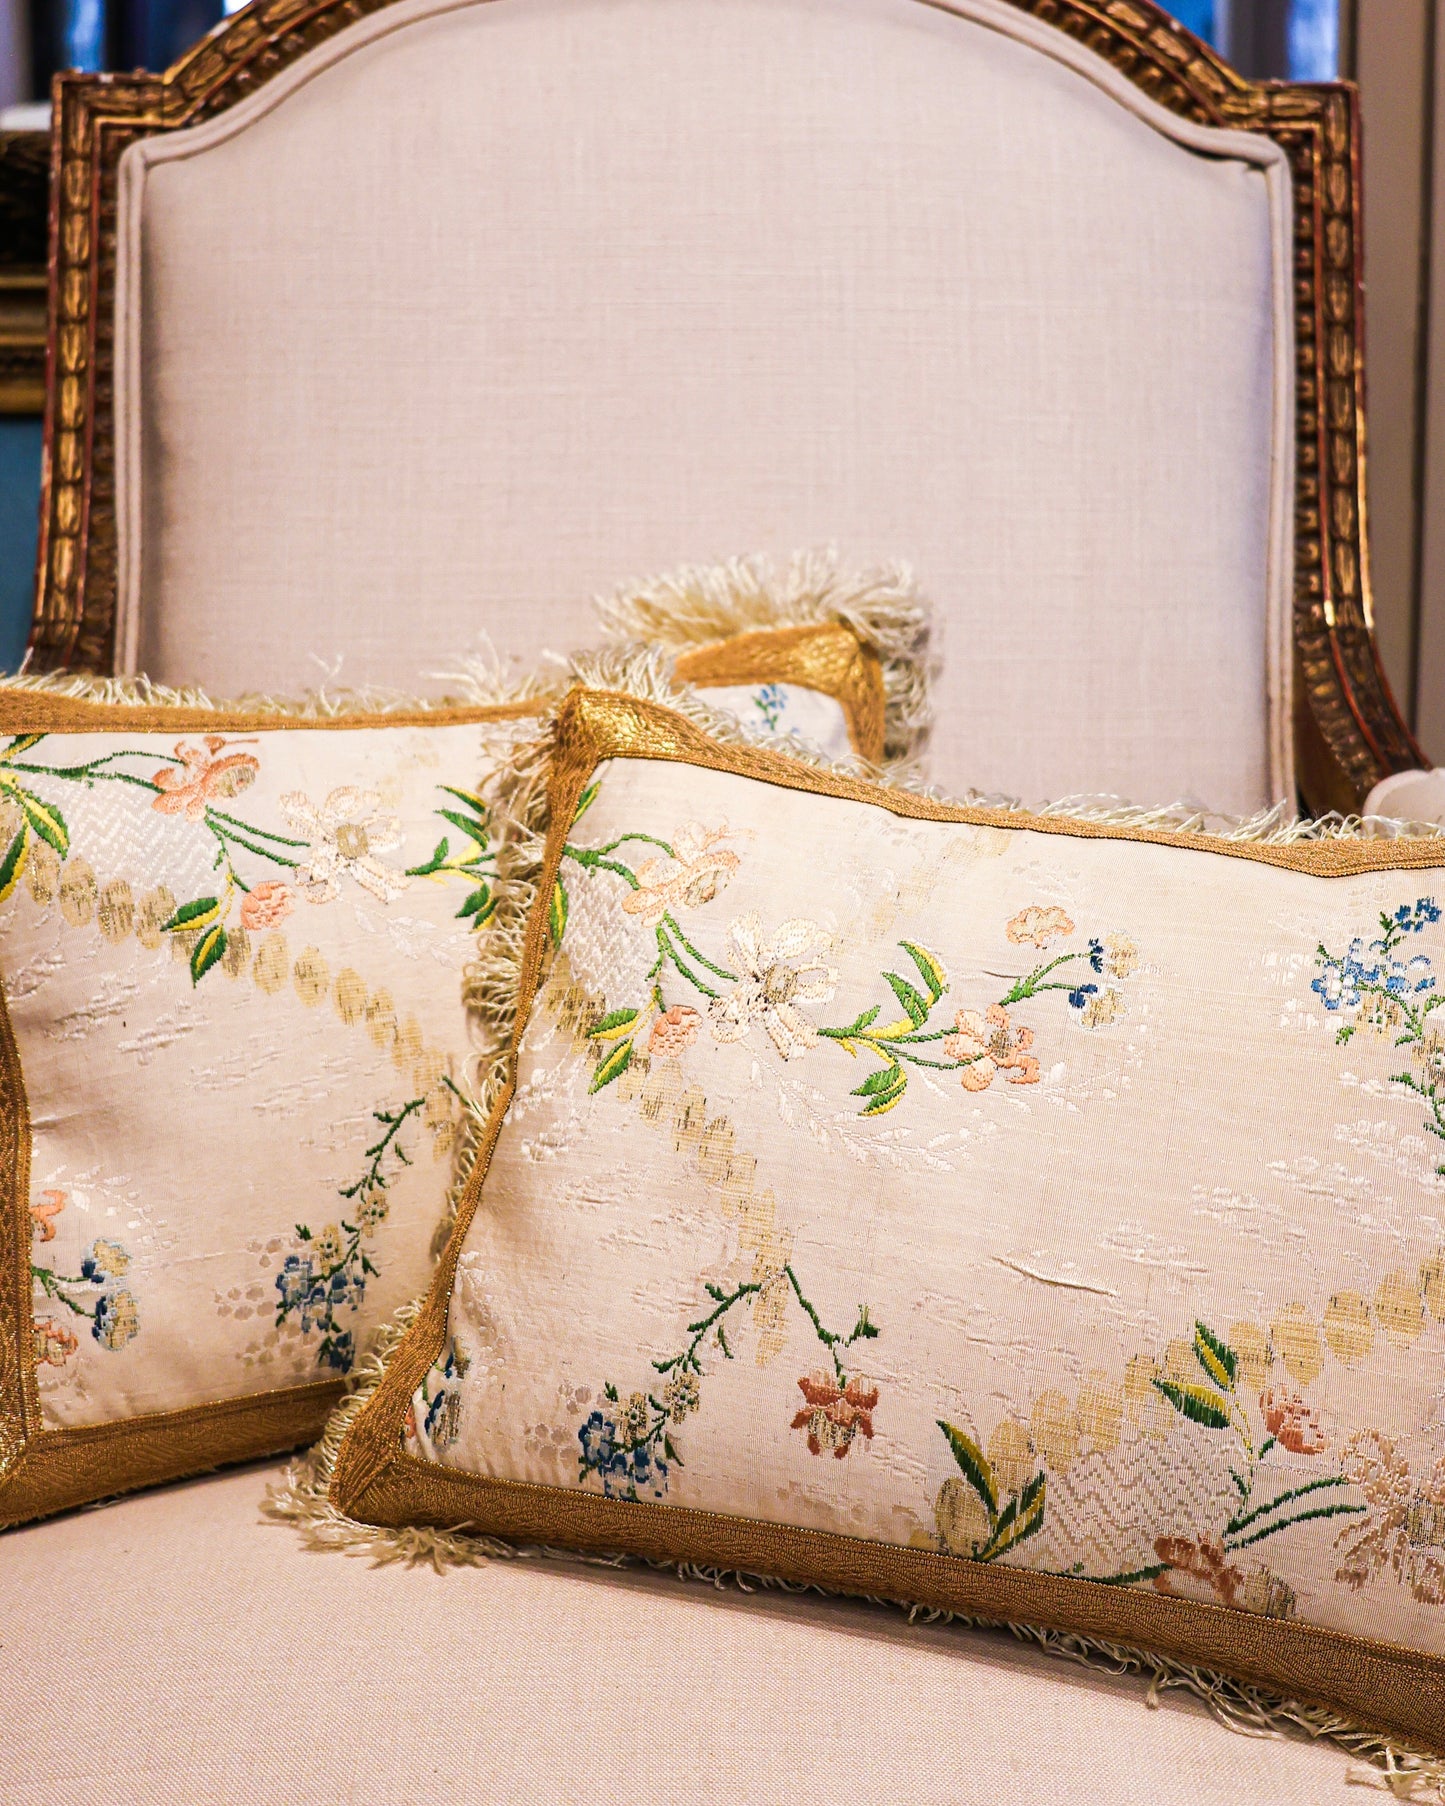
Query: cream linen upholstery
216, 1661
483, 307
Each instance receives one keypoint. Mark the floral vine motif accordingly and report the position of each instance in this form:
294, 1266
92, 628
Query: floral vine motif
975, 1519
769, 980
474, 862
111, 1309
330, 1274
770, 702
629, 1449
443, 1408
1393, 997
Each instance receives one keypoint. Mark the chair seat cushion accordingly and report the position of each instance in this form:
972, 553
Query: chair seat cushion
207, 1655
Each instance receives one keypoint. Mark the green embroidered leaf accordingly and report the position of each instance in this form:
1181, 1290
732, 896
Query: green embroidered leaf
474, 831
207, 950
479, 903
932, 972
557, 913
613, 1024
1197, 1403
45, 820
885, 1100
13, 864
1023, 1516
198, 914
917, 1009
21, 743
586, 800
1217, 1358
884, 1079
613, 1067
973, 1464
434, 864
477, 829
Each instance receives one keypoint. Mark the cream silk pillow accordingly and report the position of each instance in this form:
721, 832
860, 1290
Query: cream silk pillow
1014, 1214
237, 1068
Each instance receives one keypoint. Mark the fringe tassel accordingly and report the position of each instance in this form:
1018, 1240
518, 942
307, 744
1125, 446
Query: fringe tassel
695, 604
301, 1499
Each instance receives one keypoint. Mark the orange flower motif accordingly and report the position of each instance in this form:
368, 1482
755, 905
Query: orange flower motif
53, 1343
1038, 926
835, 1414
986, 1044
1202, 1561
203, 776
43, 1215
267, 904
673, 1031
1291, 1422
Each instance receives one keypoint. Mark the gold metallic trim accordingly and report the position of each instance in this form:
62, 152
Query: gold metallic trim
1349, 729
825, 656
45, 1470
1395, 1689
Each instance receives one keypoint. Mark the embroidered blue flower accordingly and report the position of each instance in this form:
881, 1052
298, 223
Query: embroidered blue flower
632, 1471
770, 702
337, 1350
1096, 957
116, 1319
1413, 921
1081, 994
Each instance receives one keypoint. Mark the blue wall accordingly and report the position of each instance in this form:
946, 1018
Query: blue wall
19, 524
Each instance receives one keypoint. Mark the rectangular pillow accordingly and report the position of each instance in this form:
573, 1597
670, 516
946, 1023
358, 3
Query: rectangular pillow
1020, 1215
236, 1066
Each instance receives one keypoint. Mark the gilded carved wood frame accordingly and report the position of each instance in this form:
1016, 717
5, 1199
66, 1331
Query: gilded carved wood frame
1348, 730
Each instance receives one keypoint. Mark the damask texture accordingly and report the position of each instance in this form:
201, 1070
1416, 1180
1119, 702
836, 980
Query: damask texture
1027, 1194
232, 953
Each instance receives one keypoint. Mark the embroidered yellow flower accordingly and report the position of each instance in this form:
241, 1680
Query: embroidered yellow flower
777, 975
1121, 956
987, 1044
345, 833
699, 869
1037, 926
203, 775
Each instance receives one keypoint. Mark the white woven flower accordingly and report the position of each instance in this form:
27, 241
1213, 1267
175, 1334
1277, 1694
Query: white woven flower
345, 833
774, 977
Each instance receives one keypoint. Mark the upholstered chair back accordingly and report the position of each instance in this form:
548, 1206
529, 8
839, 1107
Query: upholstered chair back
430, 323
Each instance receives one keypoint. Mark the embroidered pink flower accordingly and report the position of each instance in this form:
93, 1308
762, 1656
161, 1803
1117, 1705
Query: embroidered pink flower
267, 904
43, 1215
1291, 1422
1038, 926
987, 1044
673, 1031
53, 1343
701, 865
834, 1414
203, 776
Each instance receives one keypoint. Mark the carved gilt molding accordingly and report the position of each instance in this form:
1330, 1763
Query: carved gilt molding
1349, 731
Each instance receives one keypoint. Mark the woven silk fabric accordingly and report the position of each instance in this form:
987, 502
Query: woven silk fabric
785, 711
233, 968
1061, 1202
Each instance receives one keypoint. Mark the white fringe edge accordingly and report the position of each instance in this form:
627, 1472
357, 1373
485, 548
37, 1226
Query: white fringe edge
884, 607
480, 683
301, 1499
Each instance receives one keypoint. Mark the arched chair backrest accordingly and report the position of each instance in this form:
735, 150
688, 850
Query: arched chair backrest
380, 327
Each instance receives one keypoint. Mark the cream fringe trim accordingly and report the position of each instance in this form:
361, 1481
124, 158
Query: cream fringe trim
479, 684
695, 604
301, 1499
